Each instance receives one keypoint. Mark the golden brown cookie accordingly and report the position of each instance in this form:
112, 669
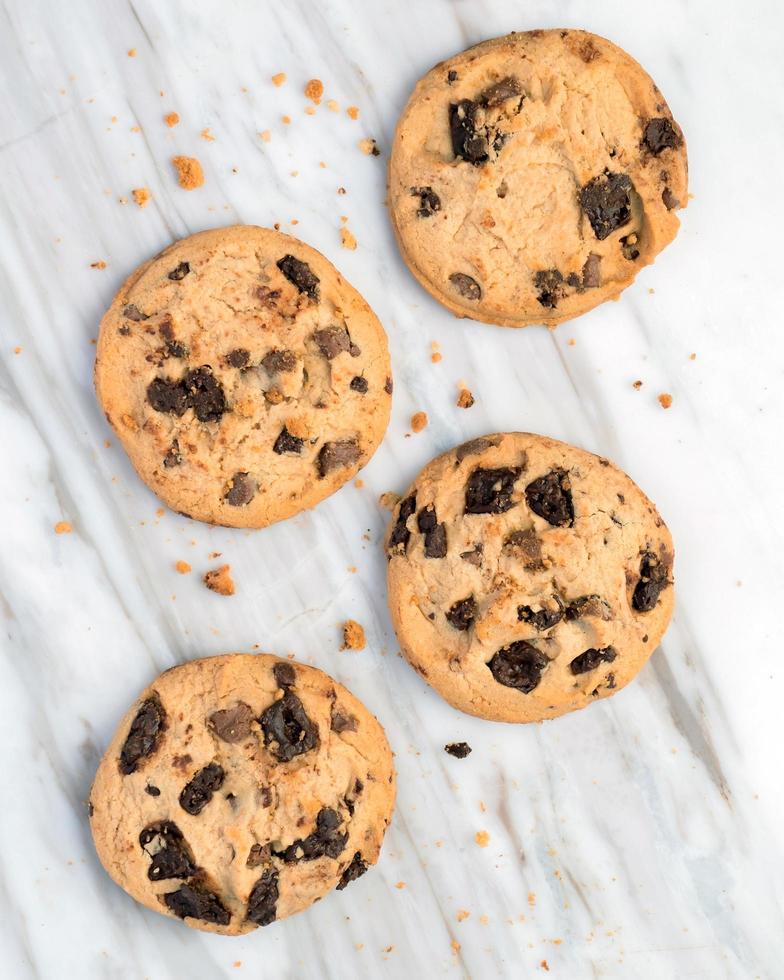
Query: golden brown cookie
241, 789
246, 379
533, 176
527, 578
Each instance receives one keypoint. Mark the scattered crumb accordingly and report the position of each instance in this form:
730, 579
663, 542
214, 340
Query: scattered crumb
207, 135
532, 899
352, 569
571, 342
483, 806
322, 165
123, 200
131, 52
465, 399
220, 580
160, 512
266, 135
389, 500
212, 555
435, 357
637, 385
341, 190
369, 147
692, 357
455, 946
665, 399
136, 129
62, 527
183, 567
462, 915
400, 884
279, 79
353, 112
482, 838
237, 963
458, 749
314, 90
285, 120
17, 350
141, 195
353, 636
544, 965
100, 264
310, 110
189, 172
418, 421
333, 106
483, 920
171, 119
359, 484
347, 240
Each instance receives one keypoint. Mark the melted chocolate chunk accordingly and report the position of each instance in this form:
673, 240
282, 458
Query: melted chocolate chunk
592, 272
205, 394
429, 201
435, 533
180, 272
550, 497
490, 491
132, 312
507, 88
263, 900
232, 725
175, 349
475, 447
144, 736
238, 358
540, 619
529, 546
355, 870
300, 274
669, 200
458, 749
242, 490
258, 854
461, 614
333, 455
341, 722
284, 674
591, 659
467, 142
359, 384
587, 605
198, 792
288, 731
653, 581
606, 202
519, 665
268, 297
549, 285
171, 857
168, 396
660, 134
325, 841
466, 286
197, 903
279, 361
473, 557
287, 443
332, 341
172, 457
400, 536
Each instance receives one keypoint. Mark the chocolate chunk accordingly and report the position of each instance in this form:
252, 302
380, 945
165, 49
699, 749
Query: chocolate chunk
660, 134
475, 446
519, 665
462, 613
429, 201
180, 272
435, 533
490, 491
258, 854
354, 350
238, 358
132, 312
629, 247
144, 736
653, 581
591, 659
287, 443
529, 546
359, 384
458, 749
175, 349
205, 394
263, 899
268, 297
242, 490
550, 497
151, 790
284, 674
325, 841
172, 457
400, 536
342, 722
588, 605
388, 386
355, 870
610, 682
279, 361
466, 286
198, 792
592, 271
669, 200
168, 396
540, 619
300, 274
507, 88
466, 141
336, 454
232, 725
171, 856
606, 202
197, 903
288, 731
166, 327
332, 341
550, 289
473, 557
451, 76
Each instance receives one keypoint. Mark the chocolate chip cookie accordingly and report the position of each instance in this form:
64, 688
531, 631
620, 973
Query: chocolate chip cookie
527, 578
533, 176
239, 790
246, 379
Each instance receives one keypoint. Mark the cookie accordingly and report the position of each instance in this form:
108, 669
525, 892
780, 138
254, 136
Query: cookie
240, 789
527, 578
533, 176
246, 379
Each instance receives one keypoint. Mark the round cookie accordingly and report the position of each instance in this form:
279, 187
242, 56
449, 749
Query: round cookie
240, 789
527, 578
533, 176
246, 379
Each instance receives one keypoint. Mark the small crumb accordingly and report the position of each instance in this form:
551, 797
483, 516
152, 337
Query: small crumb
665, 399
359, 484
310, 110
17, 350
219, 580
571, 342
388, 949
435, 357
400, 884
352, 569
637, 385
353, 112
285, 120
322, 165
651, 291
483, 920
544, 965
62, 527
183, 567
353, 636
333, 106
171, 119
458, 749
483, 806
131, 52
314, 90
418, 421
237, 963
107, 443
207, 135
482, 838
279, 79
692, 357
532, 899
389, 500
369, 147
189, 172
465, 399
212, 555
455, 946
141, 196
100, 264
159, 512
266, 135
123, 200
462, 915
347, 240
136, 129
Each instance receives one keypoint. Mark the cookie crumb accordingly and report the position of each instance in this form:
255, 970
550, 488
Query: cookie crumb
400, 885
359, 484
219, 580
314, 90
465, 399
341, 190
353, 636
369, 147
455, 946
482, 838
207, 135
692, 357
532, 899
265, 135
100, 264
435, 357
571, 342
171, 119
353, 112
544, 965
285, 120
419, 421
637, 385
62, 527
347, 240
279, 79
458, 749
141, 196
183, 567
462, 915
333, 106
389, 500
665, 399
212, 555
17, 350
131, 52
189, 172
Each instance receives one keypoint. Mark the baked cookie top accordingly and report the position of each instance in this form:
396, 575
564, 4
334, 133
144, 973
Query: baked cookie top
246, 379
240, 789
533, 176
527, 577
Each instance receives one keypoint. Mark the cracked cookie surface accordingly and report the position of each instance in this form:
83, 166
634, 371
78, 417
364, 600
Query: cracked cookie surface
240, 789
533, 176
550, 587
246, 379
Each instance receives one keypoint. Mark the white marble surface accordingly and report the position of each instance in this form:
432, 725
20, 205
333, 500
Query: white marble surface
648, 827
